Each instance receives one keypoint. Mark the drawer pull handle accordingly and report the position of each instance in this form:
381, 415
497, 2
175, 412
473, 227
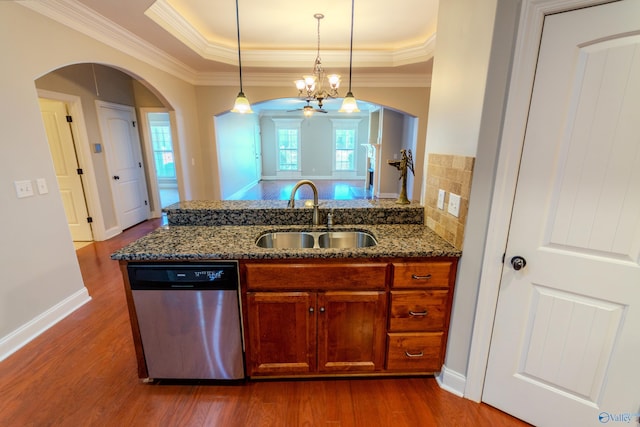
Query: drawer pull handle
419, 313
416, 277
413, 354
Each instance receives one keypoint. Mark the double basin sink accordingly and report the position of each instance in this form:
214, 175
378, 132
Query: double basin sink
313, 239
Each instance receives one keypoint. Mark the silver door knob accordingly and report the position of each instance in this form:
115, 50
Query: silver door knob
518, 263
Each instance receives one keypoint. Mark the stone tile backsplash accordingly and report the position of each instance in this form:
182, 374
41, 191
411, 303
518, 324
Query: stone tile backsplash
452, 174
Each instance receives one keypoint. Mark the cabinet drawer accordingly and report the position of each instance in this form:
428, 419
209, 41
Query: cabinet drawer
418, 310
421, 274
299, 276
417, 351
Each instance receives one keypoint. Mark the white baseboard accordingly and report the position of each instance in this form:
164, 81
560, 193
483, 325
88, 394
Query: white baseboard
451, 381
112, 232
27, 332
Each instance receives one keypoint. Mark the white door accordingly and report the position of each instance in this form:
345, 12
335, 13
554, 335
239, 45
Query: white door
65, 162
124, 163
565, 349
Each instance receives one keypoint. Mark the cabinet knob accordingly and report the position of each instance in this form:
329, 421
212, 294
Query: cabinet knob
321, 309
311, 310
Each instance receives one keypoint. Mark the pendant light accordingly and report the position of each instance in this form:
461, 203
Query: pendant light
349, 104
242, 103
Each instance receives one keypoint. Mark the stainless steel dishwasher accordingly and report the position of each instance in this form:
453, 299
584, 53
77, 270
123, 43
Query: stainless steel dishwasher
189, 319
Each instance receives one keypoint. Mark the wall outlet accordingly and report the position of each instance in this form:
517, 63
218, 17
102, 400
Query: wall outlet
42, 186
441, 194
454, 205
23, 188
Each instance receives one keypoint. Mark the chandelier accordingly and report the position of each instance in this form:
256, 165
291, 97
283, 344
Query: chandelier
311, 87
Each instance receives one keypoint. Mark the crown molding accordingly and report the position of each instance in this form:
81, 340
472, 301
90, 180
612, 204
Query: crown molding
285, 80
163, 14
86, 21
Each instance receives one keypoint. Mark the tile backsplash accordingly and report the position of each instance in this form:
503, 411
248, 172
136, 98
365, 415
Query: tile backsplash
453, 175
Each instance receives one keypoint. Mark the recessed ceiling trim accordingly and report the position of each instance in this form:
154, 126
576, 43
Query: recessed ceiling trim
281, 79
163, 14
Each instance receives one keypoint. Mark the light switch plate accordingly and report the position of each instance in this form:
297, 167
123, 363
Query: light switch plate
23, 188
454, 205
441, 194
42, 186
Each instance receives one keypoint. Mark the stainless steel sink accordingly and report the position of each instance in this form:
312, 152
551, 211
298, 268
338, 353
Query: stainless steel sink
318, 240
286, 240
346, 239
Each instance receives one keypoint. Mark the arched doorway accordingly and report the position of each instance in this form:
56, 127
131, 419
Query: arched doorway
87, 91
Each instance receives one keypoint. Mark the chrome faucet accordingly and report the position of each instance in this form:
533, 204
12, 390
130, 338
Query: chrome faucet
292, 203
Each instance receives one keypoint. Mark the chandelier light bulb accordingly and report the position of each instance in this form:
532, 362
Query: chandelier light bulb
334, 81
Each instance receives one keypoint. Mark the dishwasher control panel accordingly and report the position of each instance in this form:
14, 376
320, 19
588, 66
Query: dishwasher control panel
183, 276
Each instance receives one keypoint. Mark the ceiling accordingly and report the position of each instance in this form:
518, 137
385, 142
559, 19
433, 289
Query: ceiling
197, 38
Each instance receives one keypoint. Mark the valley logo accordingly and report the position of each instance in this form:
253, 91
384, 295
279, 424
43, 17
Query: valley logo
623, 417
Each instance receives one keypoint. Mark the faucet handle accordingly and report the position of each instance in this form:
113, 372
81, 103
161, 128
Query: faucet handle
330, 218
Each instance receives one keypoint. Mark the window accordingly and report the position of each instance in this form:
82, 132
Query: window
345, 149
345, 135
288, 141
288, 149
162, 146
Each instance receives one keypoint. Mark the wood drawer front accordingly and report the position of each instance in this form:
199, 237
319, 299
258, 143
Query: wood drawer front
315, 276
417, 351
418, 310
421, 274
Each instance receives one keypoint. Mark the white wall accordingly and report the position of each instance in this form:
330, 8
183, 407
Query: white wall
235, 137
470, 80
37, 258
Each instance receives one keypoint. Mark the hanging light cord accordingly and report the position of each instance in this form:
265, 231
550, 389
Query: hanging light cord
318, 17
351, 45
239, 58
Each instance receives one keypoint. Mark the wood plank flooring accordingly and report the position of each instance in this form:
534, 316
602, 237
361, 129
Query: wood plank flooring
327, 190
82, 372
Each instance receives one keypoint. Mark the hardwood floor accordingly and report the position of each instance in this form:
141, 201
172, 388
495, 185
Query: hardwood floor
327, 190
82, 372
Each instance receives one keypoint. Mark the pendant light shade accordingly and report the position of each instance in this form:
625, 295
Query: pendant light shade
242, 104
349, 104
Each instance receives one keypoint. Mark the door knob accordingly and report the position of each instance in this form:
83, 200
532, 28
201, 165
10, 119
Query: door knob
518, 263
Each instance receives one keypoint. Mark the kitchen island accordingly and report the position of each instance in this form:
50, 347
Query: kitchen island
377, 310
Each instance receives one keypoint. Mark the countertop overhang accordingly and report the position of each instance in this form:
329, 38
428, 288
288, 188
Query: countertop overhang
183, 243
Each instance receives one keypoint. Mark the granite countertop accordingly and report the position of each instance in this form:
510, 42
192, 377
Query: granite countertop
174, 243
275, 212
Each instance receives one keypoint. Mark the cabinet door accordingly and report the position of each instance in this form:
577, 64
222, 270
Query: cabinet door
351, 331
282, 333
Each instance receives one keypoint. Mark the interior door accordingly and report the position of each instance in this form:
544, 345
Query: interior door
65, 162
565, 346
124, 159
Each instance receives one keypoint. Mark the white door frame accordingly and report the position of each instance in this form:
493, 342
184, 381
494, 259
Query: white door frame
83, 150
147, 148
523, 72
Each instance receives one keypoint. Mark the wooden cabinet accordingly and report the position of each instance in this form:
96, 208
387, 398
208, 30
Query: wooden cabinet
331, 317
351, 331
420, 305
314, 317
282, 335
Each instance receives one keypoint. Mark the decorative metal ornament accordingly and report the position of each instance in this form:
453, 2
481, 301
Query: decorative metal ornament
404, 164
